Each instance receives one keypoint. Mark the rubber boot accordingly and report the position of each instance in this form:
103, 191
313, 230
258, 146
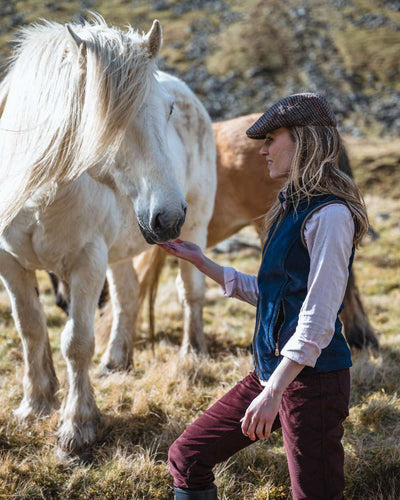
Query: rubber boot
196, 494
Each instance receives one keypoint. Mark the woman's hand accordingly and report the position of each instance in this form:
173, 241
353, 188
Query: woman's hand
261, 413
191, 252
184, 250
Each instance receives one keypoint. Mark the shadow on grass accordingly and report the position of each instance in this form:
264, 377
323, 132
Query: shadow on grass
115, 432
129, 431
216, 344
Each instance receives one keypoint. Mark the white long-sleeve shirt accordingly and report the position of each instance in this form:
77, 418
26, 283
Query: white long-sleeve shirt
328, 234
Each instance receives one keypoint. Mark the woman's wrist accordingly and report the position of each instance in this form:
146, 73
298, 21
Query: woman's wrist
210, 268
275, 388
200, 262
286, 372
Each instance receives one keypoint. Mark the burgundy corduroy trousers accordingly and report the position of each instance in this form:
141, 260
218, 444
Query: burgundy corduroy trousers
312, 411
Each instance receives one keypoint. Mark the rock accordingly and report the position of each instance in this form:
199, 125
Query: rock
373, 21
160, 5
393, 5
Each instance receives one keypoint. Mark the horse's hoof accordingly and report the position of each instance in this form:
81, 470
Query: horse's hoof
74, 459
33, 410
104, 371
75, 438
113, 367
187, 350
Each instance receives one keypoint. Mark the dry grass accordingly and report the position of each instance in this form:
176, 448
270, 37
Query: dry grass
146, 409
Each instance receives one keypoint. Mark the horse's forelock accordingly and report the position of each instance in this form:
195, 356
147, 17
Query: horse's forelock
119, 70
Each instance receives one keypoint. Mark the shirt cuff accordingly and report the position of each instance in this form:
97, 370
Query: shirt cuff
229, 287
303, 351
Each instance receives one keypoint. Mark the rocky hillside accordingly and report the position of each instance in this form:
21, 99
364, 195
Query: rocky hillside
240, 55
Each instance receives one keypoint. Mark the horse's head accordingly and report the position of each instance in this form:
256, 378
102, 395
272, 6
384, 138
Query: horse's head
136, 111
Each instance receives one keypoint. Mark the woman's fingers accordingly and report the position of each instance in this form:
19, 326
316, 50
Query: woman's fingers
172, 245
248, 426
167, 247
254, 426
260, 430
250, 431
182, 249
263, 430
245, 424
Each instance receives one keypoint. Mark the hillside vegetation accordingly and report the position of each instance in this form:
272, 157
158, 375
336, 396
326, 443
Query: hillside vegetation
240, 55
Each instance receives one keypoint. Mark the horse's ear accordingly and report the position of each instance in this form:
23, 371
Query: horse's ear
77, 39
154, 38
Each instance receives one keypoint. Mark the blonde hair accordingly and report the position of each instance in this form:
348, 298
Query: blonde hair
315, 171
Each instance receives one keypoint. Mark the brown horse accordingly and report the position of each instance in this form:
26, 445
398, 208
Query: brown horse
244, 194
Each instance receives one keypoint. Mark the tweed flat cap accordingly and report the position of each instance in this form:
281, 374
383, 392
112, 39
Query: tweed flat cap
296, 109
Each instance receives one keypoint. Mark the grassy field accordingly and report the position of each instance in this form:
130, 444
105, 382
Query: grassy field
146, 409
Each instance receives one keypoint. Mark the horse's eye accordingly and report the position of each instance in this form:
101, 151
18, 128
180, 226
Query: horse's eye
171, 109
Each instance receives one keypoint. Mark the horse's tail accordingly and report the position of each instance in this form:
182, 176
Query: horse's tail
148, 267
344, 162
358, 330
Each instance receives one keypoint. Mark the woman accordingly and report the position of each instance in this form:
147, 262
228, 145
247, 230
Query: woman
301, 379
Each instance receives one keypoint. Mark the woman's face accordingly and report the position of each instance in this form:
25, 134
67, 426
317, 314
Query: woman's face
278, 151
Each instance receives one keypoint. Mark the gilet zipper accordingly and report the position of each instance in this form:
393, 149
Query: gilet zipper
257, 328
280, 316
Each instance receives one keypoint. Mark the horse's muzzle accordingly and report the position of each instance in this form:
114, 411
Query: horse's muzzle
162, 227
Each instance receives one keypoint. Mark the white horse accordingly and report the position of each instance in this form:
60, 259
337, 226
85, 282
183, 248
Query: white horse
92, 149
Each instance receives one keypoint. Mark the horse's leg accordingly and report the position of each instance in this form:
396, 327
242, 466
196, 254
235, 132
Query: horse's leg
40, 381
191, 290
357, 328
80, 415
124, 293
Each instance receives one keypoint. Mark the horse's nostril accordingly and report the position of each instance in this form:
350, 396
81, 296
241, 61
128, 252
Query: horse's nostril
157, 222
184, 207
178, 225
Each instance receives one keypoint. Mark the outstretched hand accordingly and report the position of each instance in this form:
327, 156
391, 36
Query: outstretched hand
184, 250
191, 252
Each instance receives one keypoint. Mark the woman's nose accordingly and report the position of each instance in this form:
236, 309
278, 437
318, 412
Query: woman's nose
264, 150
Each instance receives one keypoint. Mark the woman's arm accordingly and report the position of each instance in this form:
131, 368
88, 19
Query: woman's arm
234, 284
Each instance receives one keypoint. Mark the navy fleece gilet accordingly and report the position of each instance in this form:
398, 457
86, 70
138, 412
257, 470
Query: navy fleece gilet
282, 283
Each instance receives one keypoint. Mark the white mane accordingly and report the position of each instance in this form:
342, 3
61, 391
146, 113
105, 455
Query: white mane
65, 107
